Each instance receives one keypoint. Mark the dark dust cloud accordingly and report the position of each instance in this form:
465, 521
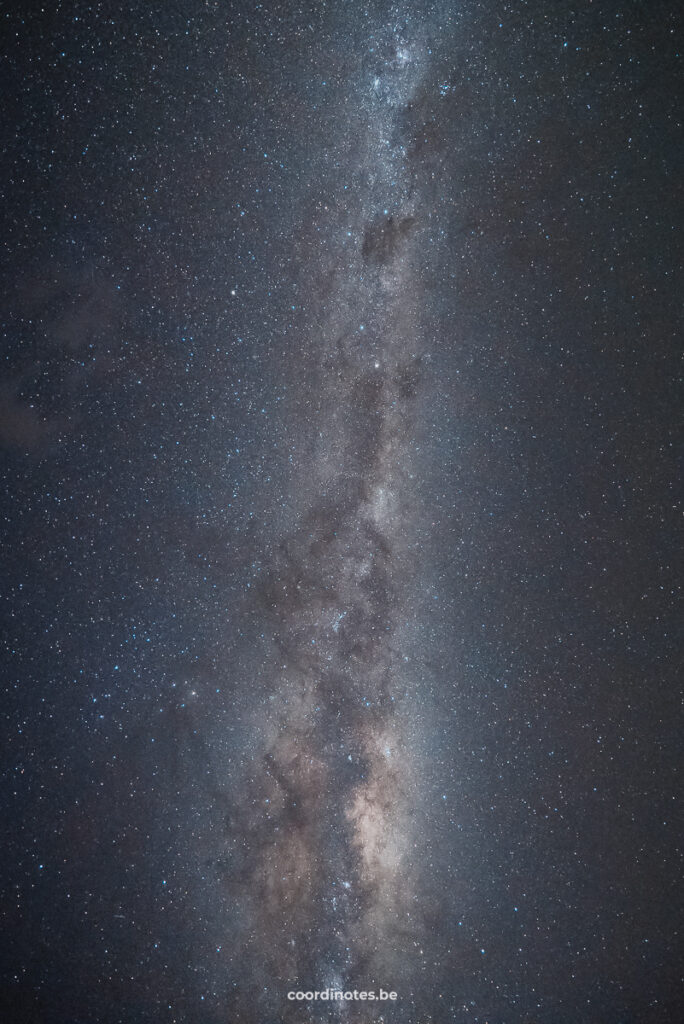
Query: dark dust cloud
339, 428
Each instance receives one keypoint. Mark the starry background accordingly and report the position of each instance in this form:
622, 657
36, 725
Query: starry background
338, 425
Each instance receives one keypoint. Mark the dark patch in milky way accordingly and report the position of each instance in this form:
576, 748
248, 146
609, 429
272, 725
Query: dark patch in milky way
382, 240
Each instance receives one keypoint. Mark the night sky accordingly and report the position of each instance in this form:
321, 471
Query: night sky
339, 424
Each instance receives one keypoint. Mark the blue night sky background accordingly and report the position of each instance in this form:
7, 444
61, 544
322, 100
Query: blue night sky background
339, 435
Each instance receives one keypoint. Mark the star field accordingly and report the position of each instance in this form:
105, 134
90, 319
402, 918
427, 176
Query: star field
339, 434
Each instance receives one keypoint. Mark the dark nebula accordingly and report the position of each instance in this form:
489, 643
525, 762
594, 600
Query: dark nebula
339, 432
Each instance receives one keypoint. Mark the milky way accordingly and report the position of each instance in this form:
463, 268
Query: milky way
333, 870
338, 431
